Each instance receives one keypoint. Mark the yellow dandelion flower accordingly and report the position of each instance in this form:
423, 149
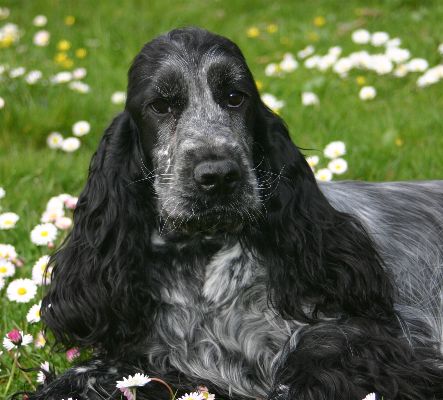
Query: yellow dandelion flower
361, 80
399, 142
63, 45
253, 32
69, 20
313, 36
68, 63
60, 57
81, 53
272, 28
319, 21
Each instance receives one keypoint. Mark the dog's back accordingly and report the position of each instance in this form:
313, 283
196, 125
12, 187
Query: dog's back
405, 219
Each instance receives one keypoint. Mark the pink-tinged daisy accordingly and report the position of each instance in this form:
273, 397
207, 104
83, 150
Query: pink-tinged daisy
71, 202
33, 315
55, 203
79, 73
41, 376
63, 223
16, 338
192, 396
133, 381
43, 234
41, 38
72, 354
52, 215
21, 290
8, 220
7, 268
40, 340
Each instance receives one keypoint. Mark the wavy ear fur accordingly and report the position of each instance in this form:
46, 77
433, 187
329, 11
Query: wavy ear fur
98, 294
319, 256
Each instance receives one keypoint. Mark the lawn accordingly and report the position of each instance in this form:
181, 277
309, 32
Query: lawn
395, 136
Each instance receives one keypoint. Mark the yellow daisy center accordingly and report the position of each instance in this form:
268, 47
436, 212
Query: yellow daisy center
44, 233
22, 291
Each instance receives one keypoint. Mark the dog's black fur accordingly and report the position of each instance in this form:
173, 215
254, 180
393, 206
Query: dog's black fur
274, 294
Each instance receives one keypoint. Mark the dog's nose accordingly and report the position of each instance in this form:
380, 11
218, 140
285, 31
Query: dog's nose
217, 176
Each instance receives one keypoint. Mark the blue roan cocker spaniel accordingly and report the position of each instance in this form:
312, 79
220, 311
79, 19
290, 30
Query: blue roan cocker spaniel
205, 253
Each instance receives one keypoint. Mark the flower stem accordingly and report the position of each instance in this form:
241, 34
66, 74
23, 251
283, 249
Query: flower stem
171, 392
26, 376
11, 376
134, 394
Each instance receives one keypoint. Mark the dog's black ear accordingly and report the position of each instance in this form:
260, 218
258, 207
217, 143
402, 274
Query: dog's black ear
99, 290
321, 260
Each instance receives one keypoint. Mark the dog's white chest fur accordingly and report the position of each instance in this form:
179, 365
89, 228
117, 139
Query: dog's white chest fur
220, 328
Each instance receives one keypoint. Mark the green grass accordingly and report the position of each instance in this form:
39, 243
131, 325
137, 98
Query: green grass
113, 32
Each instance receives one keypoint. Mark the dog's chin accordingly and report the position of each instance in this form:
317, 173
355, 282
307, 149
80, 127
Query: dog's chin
205, 224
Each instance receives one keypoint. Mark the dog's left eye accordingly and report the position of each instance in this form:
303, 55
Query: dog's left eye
235, 99
161, 106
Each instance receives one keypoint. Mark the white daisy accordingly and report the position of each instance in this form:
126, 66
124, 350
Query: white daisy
41, 38
7, 268
55, 203
61, 77
2, 283
379, 38
40, 273
370, 396
440, 48
417, 65
80, 87
79, 73
39, 20
394, 42
21, 290
343, 66
289, 63
41, 377
361, 36
313, 161
312, 62
323, 175
54, 140
2, 103
81, 128
118, 97
397, 54
16, 72
309, 99
367, 93
4, 12
33, 315
2, 193
32, 77
192, 396
272, 69
43, 234
338, 166
400, 71
335, 149
133, 381
272, 102
306, 52
70, 144
7, 251
8, 220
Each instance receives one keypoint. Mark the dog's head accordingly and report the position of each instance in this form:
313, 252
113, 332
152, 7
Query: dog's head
194, 103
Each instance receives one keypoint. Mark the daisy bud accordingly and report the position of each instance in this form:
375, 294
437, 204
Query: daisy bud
15, 336
72, 354
51, 245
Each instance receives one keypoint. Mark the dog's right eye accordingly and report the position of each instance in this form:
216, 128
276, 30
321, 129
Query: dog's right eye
161, 106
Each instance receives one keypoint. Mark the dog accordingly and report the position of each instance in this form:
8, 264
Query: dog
204, 252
